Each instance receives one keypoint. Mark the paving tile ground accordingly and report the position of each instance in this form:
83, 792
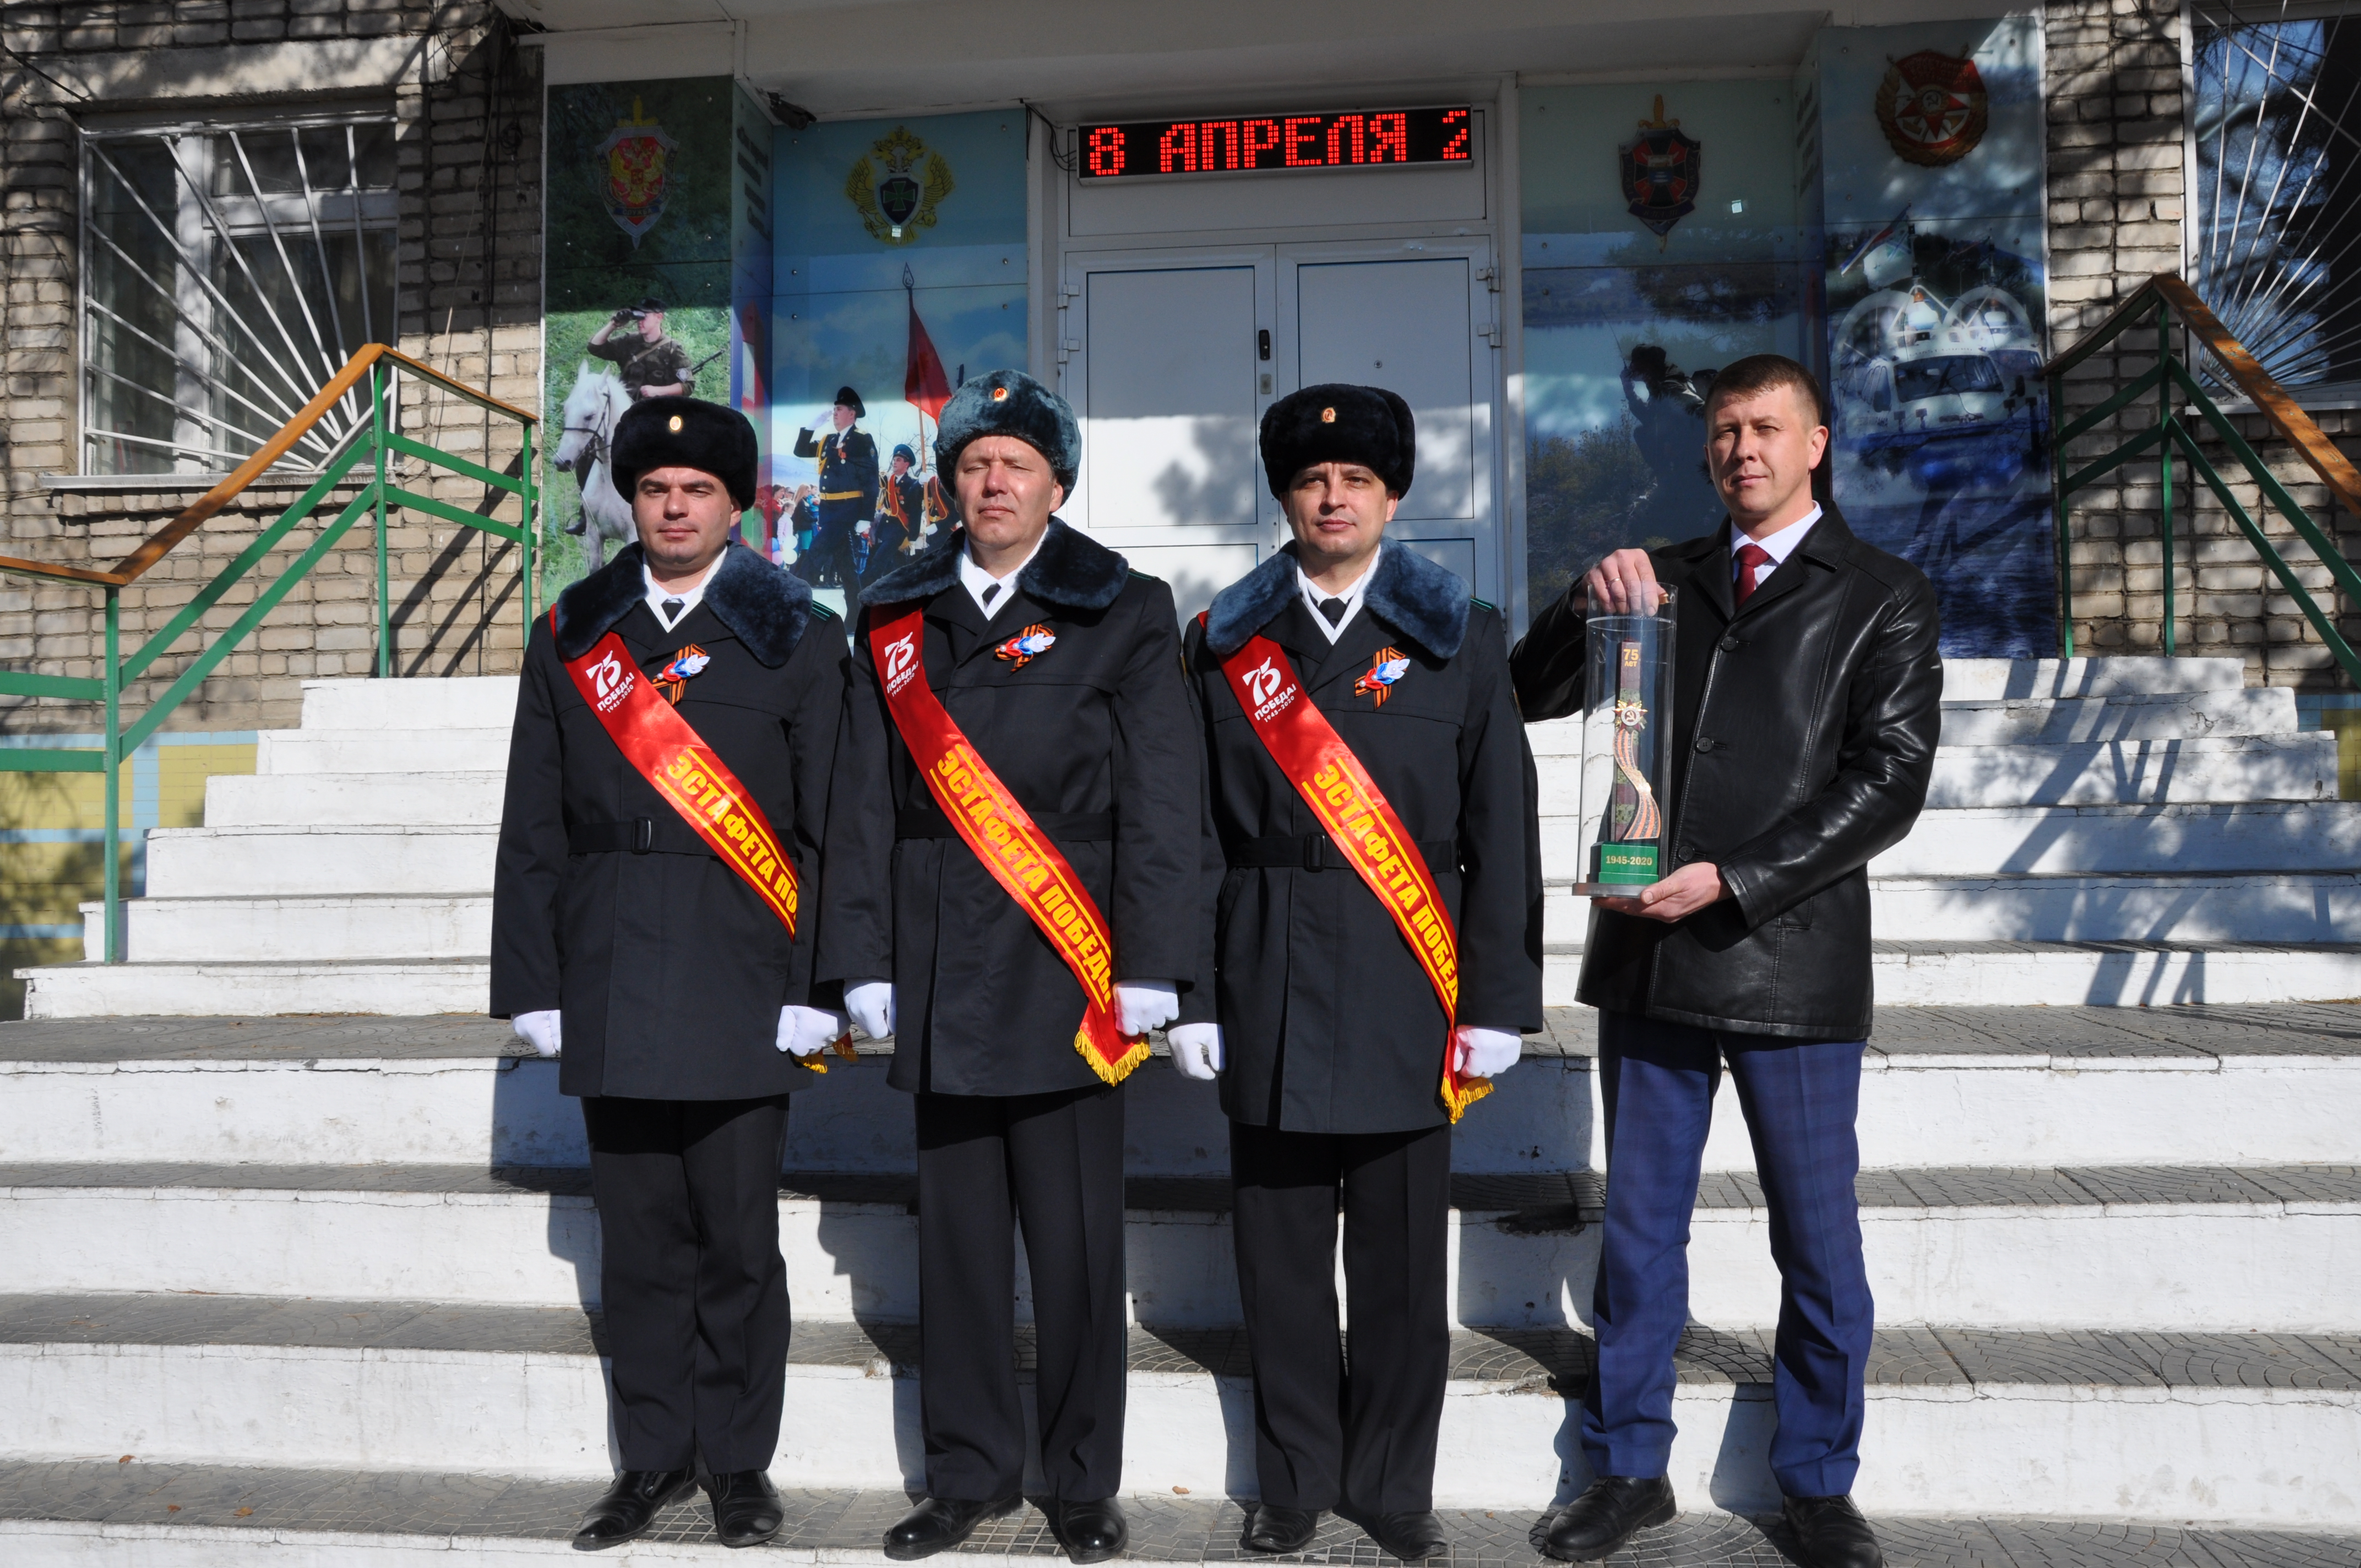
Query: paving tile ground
1164, 1530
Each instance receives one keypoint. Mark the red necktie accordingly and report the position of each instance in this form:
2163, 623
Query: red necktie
1753, 558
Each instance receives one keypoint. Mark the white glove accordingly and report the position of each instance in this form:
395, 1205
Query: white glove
871, 1005
1144, 1004
1487, 1053
807, 1031
1196, 1049
539, 1030
862, 528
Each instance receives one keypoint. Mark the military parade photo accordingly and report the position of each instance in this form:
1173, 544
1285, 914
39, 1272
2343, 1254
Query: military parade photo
1333, 784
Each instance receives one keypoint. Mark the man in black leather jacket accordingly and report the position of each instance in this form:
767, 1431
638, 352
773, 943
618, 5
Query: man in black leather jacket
1807, 701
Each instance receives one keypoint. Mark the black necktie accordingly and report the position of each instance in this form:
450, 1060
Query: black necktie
1334, 609
672, 612
990, 594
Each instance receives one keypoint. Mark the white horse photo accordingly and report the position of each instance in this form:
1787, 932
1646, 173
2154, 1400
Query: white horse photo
593, 405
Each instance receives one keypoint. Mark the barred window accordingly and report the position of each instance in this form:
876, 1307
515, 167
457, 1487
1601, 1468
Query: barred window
228, 272
2274, 231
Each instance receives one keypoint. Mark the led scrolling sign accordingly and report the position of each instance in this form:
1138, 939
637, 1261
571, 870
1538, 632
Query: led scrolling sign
1358, 139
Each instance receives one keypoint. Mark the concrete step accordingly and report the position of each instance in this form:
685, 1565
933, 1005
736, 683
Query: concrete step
1954, 973
292, 929
2201, 909
70, 1514
1970, 680
237, 990
2301, 765
2000, 1086
2135, 716
320, 800
2271, 836
381, 750
2272, 1249
497, 1521
449, 702
2253, 1428
192, 862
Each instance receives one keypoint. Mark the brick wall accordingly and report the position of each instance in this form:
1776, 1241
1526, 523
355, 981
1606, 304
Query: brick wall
468, 106
2116, 190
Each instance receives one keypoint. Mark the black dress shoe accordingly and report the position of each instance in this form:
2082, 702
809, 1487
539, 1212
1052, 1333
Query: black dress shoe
1091, 1532
746, 1509
630, 1506
1276, 1529
939, 1523
1830, 1533
1606, 1514
1408, 1536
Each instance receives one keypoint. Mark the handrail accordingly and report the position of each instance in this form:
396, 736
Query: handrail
382, 366
2160, 299
160, 544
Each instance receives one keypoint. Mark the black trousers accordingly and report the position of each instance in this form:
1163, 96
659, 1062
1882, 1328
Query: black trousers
1053, 1163
1330, 1434
696, 1292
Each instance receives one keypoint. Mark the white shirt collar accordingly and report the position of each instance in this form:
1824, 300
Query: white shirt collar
1314, 596
1780, 545
977, 581
687, 598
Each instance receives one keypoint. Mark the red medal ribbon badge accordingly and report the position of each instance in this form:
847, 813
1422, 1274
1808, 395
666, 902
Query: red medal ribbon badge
1026, 645
1363, 825
1386, 666
674, 676
1021, 858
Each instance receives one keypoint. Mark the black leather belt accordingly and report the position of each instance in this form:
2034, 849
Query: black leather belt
1066, 827
641, 836
1317, 852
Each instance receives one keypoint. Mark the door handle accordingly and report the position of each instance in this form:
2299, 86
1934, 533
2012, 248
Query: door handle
1262, 343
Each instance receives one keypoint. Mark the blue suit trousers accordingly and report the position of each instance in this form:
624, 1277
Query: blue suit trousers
1799, 1099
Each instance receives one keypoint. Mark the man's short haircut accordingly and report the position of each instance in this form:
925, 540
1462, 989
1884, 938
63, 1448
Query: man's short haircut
1759, 373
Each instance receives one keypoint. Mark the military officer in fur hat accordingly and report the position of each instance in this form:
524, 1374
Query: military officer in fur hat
1376, 952
651, 925
1014, 848
848, 494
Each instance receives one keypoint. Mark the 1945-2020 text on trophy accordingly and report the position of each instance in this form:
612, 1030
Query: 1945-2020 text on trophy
1625, 750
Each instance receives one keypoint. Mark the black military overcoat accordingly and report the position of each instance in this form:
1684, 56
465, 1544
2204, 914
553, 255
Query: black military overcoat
1096, 739
671, 971
1329, 1023
1804, 733
848, 473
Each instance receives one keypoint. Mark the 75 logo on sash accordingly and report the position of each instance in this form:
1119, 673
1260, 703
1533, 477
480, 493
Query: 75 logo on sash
901, 658
609, 680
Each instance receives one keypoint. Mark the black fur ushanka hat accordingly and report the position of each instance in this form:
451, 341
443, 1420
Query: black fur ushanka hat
1337, 423
684, 432
1010, 403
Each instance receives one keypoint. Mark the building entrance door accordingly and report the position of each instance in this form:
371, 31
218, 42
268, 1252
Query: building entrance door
1170, 357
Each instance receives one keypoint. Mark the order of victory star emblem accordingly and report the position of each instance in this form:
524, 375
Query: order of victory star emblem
1389, 665
1026, 645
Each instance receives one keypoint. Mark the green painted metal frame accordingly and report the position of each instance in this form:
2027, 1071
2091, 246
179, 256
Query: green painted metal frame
2168, 302
381, 369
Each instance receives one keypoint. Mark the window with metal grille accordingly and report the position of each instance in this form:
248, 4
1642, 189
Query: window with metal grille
228, 272
2274, 232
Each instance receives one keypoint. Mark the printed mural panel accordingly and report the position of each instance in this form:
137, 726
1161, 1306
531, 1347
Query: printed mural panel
638, 287
898, 270
1624, 326
1935, 297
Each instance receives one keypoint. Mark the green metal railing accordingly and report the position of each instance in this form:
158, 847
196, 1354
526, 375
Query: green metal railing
2172, 309
379, 368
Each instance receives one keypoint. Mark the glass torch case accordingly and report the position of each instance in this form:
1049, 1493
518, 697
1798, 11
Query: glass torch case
1627, 725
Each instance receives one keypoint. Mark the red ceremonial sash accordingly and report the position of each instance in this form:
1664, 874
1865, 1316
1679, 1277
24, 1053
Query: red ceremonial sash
1361, 822
665, 750
1021, 858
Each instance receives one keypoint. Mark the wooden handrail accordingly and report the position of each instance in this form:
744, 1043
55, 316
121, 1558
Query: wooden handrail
2279, 411
160, 544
